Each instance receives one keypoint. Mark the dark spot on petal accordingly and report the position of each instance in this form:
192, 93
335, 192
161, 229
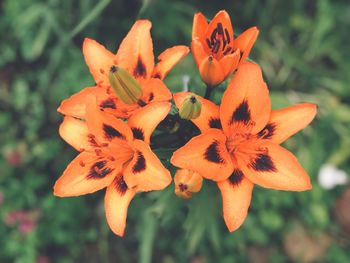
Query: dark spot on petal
182, 187
236, 177
140, 69
215, 123
241, 114
138, 133
268, 131
157, 75
151, 97
140, 164
99, 170
212, 153
111, 133
108, 103
263, 163
120, 185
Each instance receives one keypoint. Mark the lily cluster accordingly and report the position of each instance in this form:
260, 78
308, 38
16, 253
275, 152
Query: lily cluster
111, 124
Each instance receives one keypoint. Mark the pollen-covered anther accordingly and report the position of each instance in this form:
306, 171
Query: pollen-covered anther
125, 85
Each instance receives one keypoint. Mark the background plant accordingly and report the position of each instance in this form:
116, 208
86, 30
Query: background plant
303, 51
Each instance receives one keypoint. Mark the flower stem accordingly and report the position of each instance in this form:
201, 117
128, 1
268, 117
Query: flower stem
208, 92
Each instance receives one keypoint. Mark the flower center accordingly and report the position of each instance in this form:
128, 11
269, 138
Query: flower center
219, 41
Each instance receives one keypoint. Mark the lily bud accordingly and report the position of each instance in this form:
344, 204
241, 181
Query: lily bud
191, 107
125, 85
187, 182
211, 71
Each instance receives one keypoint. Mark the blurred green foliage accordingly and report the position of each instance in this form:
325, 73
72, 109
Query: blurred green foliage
303, 49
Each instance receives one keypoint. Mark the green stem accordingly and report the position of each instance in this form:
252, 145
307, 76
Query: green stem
208, 92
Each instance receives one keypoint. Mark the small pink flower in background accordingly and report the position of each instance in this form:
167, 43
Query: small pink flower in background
43, 259
25, 221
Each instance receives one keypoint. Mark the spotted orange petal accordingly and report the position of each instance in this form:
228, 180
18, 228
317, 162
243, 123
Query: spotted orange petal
205, 154
286, 122
99, 61
236, 199
275, 167
145, 172
135, 53
245, 41
155, 90
145, 120
117, 200
87, 173
209, 117
245, 105
168, 59
75, 132
105, 127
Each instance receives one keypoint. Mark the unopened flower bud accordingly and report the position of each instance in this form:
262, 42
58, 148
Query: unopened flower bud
187, 182
125, 85
191, 107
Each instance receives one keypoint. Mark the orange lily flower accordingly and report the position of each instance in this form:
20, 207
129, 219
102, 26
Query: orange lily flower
114, 155
135, 54
216, 52
239, 144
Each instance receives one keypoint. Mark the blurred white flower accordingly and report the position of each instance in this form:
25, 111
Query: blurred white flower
185, 81
330, 176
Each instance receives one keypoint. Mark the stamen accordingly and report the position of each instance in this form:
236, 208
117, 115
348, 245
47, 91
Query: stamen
228, 49
208, 43
216, 47
227, 36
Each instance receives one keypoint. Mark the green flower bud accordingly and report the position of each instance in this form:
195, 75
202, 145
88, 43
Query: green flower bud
191, 107
125, 85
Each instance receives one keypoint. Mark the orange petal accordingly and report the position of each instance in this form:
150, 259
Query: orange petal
229, 63
245, 105
245, 41
235, 201
145, 172
199, 54
286, 122
199, 27
145, 120
275, 167
105, 127
155, 90
168, 59
209, 117
205, 154
117, 200
87, 173
135, 53
75, 132
75, 105
99, 61
211, 72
